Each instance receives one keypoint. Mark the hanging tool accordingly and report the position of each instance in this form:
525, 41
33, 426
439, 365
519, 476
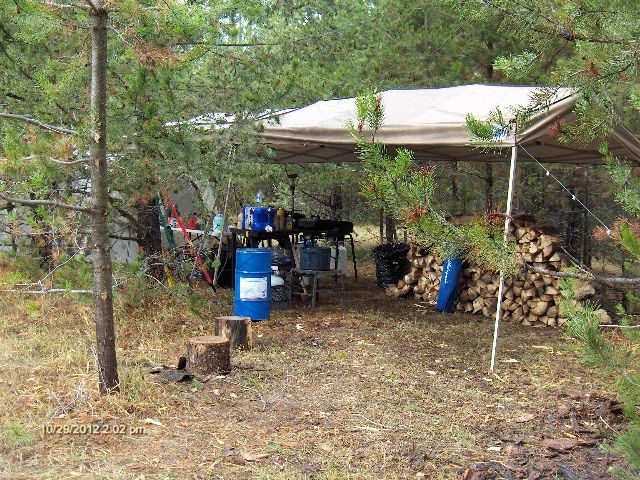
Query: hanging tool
167, 229
194, 252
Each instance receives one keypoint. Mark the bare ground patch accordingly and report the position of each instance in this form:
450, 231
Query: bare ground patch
365, 388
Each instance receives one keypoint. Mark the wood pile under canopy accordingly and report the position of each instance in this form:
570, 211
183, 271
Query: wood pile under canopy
531, 299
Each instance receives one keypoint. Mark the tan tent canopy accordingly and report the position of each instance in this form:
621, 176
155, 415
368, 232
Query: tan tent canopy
432, 123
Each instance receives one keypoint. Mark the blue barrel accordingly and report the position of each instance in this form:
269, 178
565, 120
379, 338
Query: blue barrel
252, 296
448, 285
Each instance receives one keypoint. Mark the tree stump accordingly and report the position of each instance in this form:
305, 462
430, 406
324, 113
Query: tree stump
207, 356
237, 329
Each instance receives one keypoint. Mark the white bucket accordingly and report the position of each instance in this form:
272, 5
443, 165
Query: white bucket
342, 259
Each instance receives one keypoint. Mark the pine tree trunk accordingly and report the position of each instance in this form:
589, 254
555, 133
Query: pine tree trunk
488, 169
454, 191
14, 240
390, 228
585, 253
336, 202
102, 270
149, 236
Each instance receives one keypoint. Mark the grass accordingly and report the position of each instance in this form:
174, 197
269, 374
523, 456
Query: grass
371, 388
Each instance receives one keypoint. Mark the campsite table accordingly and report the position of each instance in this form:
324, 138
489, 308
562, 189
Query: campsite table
314, 276
286, 239
337, 236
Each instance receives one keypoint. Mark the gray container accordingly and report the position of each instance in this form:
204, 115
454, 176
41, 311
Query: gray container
315, 258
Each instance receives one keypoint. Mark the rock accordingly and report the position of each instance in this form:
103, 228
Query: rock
605, 318
561, 445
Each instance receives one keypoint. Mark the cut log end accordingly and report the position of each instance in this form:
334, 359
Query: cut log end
237, 329
208, 355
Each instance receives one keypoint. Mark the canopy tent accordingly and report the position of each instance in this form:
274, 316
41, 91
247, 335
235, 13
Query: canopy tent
432, 123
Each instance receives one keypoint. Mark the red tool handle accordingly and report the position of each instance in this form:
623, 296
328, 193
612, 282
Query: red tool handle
201, 264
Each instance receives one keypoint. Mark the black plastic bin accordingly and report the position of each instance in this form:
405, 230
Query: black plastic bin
391, 263
315, 258
225, 272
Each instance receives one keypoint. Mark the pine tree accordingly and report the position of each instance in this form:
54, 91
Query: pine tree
594, 45
410, 193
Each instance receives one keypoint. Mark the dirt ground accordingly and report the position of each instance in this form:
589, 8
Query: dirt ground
365, 387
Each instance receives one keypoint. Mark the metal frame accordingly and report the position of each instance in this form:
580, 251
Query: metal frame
507, 224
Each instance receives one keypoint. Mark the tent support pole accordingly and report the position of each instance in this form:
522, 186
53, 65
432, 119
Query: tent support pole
507, 223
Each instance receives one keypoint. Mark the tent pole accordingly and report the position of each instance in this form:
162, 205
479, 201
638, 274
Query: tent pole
507, 223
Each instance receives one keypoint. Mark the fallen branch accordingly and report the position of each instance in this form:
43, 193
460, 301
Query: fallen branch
608, 426
379, 425
64, 408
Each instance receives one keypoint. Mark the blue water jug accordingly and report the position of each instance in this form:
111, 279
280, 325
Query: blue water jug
259, 219
264, 219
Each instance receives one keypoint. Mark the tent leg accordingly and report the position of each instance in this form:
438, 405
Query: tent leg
507, 223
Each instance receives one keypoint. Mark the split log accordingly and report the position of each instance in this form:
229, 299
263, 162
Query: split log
539, 308
531, 299
551, 290
238, 330
477, 304
208, 355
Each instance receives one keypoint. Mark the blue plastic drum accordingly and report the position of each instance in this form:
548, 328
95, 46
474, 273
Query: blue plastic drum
252, 296
448, 285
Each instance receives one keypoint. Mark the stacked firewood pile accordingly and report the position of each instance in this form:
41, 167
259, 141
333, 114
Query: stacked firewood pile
531, 299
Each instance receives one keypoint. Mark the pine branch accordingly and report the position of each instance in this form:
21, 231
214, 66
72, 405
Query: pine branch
64, 6
60, 162
37, 123
123, 237
92, 7
48, 203
241, 45
580, 276
69, 162
50, 290
557, 29
114, 203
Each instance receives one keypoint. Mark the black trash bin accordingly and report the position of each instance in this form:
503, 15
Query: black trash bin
391, 263
225, 277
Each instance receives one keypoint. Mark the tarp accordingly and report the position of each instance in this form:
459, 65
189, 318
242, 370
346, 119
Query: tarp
432, 123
